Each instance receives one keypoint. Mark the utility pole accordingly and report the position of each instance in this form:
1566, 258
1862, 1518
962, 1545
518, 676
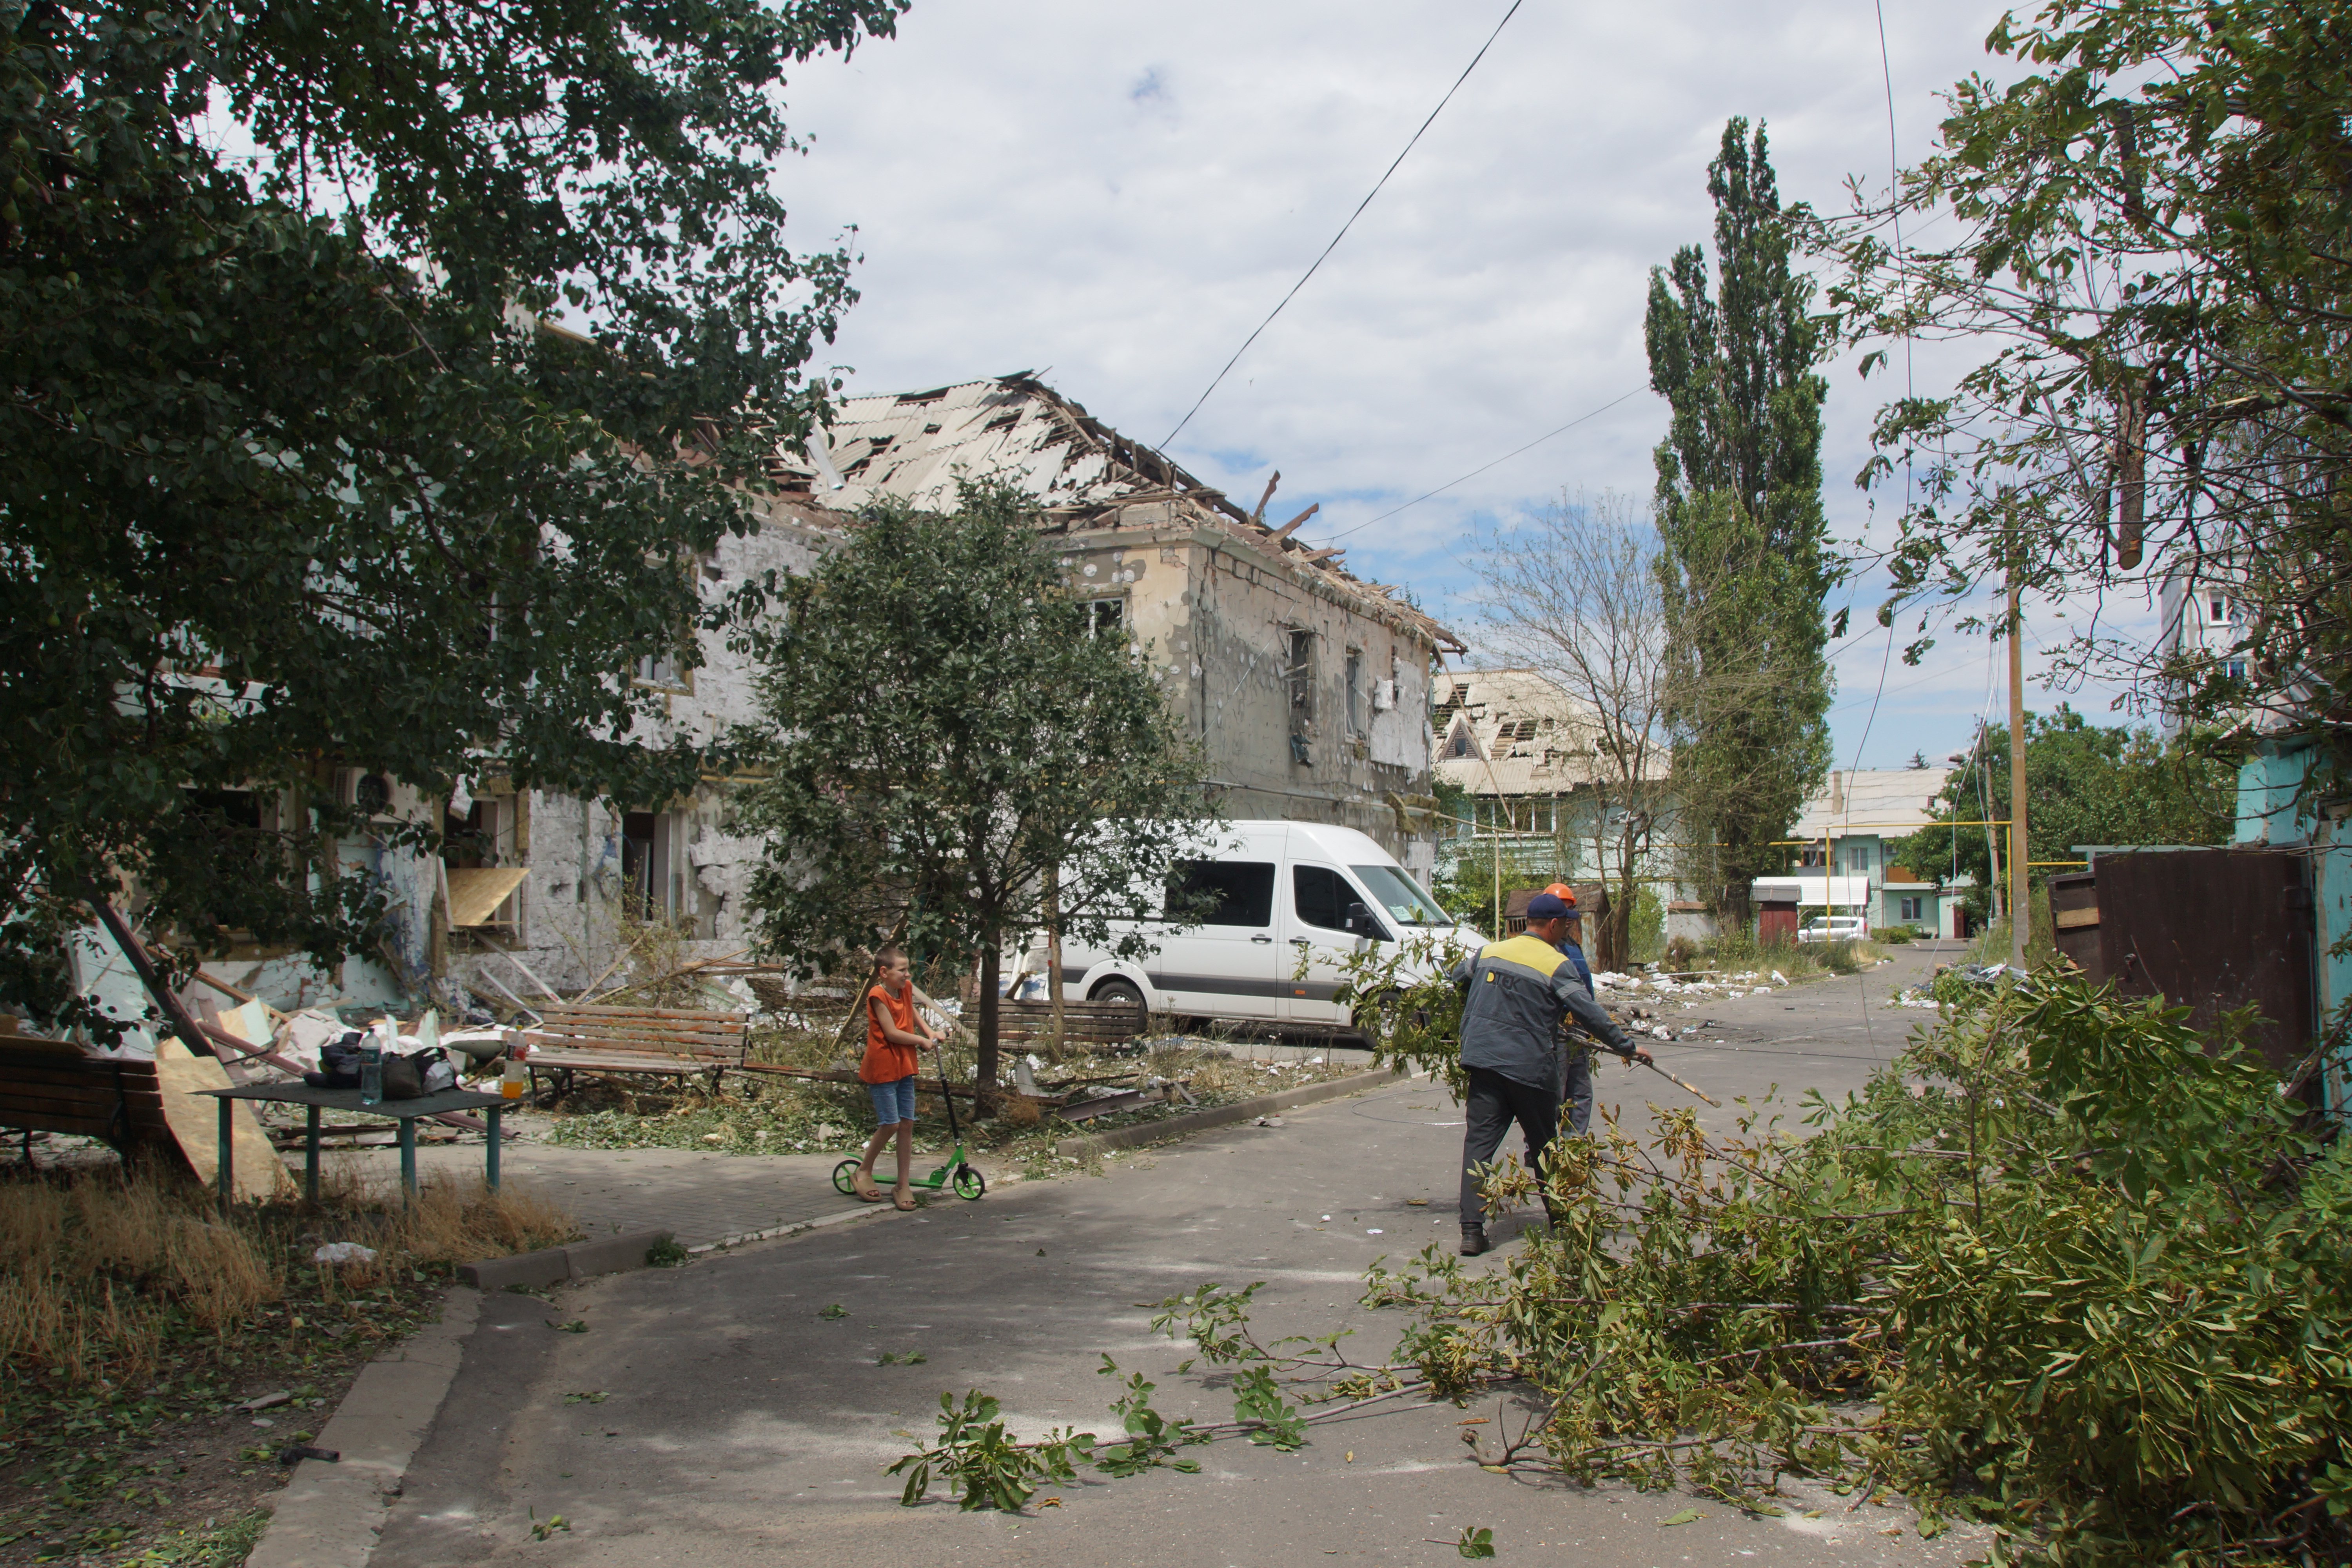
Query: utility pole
2021, 907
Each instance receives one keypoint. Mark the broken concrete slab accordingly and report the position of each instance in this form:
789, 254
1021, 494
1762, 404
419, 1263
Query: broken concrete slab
552, 1265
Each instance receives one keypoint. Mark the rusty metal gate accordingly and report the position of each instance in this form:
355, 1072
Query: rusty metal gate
2212, 930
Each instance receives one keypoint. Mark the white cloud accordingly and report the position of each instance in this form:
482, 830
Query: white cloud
1121, 192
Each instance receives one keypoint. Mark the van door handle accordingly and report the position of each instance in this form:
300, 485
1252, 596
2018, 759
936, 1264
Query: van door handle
1263, 939
1300, 941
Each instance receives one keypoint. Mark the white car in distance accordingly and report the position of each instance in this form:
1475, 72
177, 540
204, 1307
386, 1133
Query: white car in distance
1833, 928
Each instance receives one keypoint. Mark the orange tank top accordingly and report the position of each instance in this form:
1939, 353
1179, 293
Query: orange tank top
886, 1063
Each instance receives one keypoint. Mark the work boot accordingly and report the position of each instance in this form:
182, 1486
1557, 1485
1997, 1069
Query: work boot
1474, 1240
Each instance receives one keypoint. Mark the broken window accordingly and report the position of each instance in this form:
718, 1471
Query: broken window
1299, 674
645, 864
661, 670
1355, 691
1106, 617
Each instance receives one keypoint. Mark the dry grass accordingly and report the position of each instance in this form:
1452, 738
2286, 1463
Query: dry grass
103, 1271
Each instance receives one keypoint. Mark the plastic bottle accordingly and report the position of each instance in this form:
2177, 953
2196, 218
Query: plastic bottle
513, 1079
371, 1072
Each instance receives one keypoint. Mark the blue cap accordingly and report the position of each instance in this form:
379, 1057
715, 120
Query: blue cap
1549, 907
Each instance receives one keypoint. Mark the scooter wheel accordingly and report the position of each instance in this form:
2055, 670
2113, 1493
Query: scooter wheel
969, 1182
844, 1178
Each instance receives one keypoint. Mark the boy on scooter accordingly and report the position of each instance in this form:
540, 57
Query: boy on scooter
895, 1033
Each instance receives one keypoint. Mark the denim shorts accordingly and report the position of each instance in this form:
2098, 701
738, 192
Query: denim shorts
893, 1101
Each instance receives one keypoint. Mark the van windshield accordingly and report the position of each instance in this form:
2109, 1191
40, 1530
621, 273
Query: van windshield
1394, 892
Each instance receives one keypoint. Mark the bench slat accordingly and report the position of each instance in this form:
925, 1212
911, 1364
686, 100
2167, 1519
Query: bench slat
690, 1014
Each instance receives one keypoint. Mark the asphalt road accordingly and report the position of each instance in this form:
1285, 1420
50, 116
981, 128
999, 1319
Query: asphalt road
713, 1414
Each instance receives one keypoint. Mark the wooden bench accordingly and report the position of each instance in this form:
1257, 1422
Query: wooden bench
1083, 1023
56, 1086
666, 1042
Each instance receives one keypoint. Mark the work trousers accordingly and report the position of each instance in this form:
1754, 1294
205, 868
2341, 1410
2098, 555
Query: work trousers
1492, 1104
1576, 1089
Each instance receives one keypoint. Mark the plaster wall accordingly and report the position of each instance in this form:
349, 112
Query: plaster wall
1215, 618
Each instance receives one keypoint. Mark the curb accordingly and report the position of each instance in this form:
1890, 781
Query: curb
552, 1265
333, 1513
1225, 1115
793, 1228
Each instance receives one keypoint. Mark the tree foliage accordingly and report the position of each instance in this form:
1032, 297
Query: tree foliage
1740, 510
2085, 783
2062, 1269
2149, 250
942, 731
293, 479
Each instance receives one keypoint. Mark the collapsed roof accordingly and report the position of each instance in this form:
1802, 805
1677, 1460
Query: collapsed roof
916, 447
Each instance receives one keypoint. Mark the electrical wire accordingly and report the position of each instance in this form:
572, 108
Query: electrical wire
1344, 227
1482, 467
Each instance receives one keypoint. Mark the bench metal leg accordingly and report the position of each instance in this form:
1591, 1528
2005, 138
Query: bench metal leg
490, 1163
310, 1157
408, 1162
228, 1156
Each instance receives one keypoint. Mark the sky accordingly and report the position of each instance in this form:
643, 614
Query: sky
1116, 195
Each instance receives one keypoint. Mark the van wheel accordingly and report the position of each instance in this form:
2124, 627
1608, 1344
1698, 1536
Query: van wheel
1376, 1018
1122, 992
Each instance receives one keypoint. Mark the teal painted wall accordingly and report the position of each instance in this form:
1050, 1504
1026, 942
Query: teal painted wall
2268, 814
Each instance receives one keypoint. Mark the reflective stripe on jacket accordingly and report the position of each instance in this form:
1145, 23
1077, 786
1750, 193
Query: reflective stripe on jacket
1519, 990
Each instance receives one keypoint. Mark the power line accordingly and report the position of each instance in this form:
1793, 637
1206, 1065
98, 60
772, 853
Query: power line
1344, 227
1482, 467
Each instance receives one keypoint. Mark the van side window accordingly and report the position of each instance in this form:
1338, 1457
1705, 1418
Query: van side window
1222, 893
1322, 898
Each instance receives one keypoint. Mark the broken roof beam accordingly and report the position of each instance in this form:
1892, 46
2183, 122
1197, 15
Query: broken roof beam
1284, 530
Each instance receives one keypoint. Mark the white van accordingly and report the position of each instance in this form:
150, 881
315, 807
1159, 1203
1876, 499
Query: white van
1277, 892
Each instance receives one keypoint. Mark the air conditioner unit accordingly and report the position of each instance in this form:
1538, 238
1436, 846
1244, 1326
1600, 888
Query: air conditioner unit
362, 791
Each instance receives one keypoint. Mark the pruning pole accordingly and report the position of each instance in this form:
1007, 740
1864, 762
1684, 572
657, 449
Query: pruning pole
1678, 1083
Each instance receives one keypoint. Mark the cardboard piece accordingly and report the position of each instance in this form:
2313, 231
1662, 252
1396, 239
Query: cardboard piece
476, 891
194, 1121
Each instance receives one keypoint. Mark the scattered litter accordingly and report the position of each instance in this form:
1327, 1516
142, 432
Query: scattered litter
264, 1421
1778, 978
1660, 1032
1270, 1121
294, 1452
343, 1252
1418, 1203
1376, 1232
263, 1401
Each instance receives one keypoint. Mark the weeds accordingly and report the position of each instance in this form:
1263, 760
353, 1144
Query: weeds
129, 1310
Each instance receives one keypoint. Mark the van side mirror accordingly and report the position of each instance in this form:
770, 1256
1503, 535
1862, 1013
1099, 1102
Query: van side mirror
1360, 919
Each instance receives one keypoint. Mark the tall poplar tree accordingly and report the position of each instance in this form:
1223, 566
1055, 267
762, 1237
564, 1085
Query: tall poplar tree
1739, 515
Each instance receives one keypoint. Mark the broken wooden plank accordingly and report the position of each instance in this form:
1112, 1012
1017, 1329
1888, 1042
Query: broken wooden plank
195, 1119
1287, 529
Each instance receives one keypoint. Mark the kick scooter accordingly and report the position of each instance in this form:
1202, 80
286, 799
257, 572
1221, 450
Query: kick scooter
959, 1174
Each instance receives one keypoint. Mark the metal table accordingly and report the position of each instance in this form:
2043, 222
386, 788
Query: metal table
405, 1112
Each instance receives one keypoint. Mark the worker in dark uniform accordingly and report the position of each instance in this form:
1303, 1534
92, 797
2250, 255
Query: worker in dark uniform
1517, 992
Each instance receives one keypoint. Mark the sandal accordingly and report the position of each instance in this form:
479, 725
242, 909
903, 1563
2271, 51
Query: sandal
908, 1206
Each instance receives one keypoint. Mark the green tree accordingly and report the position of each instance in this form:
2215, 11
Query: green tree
2148, 251
2085, 783
942, 733
1744, 562
295, 478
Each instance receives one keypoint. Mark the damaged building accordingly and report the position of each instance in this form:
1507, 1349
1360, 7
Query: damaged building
1307, 687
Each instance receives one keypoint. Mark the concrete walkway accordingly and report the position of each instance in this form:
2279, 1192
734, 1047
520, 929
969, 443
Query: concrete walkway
740, 1411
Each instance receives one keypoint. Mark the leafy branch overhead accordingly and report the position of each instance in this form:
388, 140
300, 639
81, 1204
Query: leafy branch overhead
2145, 246
298, 478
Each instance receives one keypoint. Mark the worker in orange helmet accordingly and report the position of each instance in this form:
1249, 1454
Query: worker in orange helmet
1576, 1061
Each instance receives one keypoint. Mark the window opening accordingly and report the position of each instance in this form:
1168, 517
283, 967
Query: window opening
1106, 615
1222, 893
1301, 674
1355, 691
